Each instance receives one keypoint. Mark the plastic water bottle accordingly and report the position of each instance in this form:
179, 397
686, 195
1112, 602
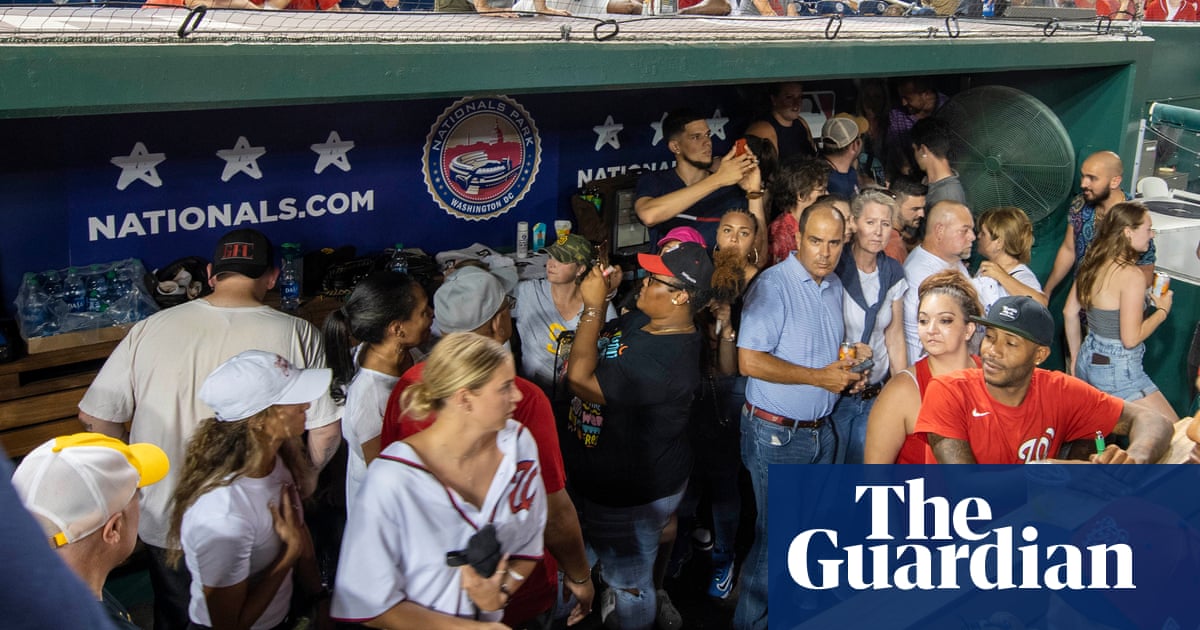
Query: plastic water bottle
33, 315
52, 285
289, 280
398, 263
989, 8
97, 291
96, 302
74, 293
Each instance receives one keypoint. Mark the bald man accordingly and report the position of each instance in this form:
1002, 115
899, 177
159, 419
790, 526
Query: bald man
1100, 184
949, 233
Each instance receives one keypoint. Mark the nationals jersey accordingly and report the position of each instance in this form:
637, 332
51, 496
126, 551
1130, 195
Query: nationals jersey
405, 521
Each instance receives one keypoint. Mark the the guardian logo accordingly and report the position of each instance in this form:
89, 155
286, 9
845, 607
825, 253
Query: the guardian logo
974, 554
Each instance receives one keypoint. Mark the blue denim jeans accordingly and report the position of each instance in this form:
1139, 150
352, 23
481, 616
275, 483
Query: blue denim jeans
1122, 376
850, 422
765, 443
625, 541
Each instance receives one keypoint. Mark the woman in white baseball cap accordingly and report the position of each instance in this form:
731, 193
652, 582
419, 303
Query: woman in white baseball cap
237, 514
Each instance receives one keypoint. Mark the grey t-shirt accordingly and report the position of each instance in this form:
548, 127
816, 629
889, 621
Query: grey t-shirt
945, 189
539, 324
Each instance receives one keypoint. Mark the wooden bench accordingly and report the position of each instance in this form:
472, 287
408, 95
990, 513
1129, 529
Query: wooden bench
40, 394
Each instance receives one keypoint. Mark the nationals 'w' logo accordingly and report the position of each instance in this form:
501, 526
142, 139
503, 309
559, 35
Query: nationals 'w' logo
523, 490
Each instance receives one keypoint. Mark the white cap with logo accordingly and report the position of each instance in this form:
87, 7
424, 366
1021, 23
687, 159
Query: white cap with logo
255, 380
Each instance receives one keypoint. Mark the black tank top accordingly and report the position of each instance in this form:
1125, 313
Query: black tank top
792, 140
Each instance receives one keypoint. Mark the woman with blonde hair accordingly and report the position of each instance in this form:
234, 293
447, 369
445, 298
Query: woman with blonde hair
947, 302
237, 513
1005, 241
873, 312
1111, 289
469, 483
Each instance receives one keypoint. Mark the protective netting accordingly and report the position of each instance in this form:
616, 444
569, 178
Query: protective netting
110, 23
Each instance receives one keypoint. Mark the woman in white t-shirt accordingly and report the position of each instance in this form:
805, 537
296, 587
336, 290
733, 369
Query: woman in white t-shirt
237, 514
873, 312
1005, 240
389, 315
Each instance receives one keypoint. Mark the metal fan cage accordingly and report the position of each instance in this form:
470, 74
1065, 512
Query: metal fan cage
1009, 149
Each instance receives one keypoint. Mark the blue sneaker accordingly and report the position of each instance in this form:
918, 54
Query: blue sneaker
722, 579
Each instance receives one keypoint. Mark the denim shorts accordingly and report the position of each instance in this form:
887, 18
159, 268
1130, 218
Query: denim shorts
1110, 367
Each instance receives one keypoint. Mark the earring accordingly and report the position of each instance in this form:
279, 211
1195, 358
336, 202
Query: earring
755, 261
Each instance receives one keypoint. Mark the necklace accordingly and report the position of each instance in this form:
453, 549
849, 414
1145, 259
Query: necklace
669, 329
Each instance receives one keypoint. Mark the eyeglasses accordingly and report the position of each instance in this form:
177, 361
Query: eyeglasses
675, 287
509, 303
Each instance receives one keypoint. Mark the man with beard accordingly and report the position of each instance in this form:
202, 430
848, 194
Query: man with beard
1013, 412
693, 194
906, 220
788, 343
947, 242
918, 100
1100, 181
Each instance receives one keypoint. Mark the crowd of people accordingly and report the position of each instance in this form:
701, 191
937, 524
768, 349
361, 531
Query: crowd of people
530, 481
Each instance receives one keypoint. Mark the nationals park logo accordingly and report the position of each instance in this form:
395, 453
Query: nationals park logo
481, 157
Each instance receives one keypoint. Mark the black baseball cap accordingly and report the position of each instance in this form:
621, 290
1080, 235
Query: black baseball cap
243, 251
1021, 316
689, 262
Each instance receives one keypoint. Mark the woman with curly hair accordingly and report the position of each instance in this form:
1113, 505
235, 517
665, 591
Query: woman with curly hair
237, 513
388, 314
713, 428
1111, 289
947, 303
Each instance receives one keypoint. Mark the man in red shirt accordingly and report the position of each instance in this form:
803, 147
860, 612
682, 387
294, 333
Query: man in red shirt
1013, 412
474, 300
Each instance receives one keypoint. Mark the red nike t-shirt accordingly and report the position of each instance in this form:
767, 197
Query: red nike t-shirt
1057, 409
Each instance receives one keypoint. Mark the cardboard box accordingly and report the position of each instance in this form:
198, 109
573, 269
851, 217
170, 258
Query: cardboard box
77, 338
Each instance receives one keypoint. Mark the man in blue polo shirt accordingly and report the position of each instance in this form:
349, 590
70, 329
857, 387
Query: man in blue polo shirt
788, 346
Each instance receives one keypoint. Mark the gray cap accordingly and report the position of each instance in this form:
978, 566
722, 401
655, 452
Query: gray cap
469, 298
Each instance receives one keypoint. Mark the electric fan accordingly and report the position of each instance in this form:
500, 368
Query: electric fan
1009, 150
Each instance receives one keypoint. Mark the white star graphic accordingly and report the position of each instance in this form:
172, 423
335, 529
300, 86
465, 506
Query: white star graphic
332, 152
607, 134
716, 124
242, 158
139, 164
657, 127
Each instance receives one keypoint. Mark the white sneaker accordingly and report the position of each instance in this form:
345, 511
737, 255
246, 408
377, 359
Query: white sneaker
668, 616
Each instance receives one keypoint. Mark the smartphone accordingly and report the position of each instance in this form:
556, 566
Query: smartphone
739, 147
863, 366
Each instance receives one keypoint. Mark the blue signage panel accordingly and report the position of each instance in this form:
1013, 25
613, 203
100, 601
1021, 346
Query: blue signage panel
437, 174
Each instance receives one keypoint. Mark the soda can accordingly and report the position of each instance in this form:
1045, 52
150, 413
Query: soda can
1162, 282
847, 351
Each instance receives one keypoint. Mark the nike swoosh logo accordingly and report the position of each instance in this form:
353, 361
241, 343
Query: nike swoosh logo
724, 584
975, 412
